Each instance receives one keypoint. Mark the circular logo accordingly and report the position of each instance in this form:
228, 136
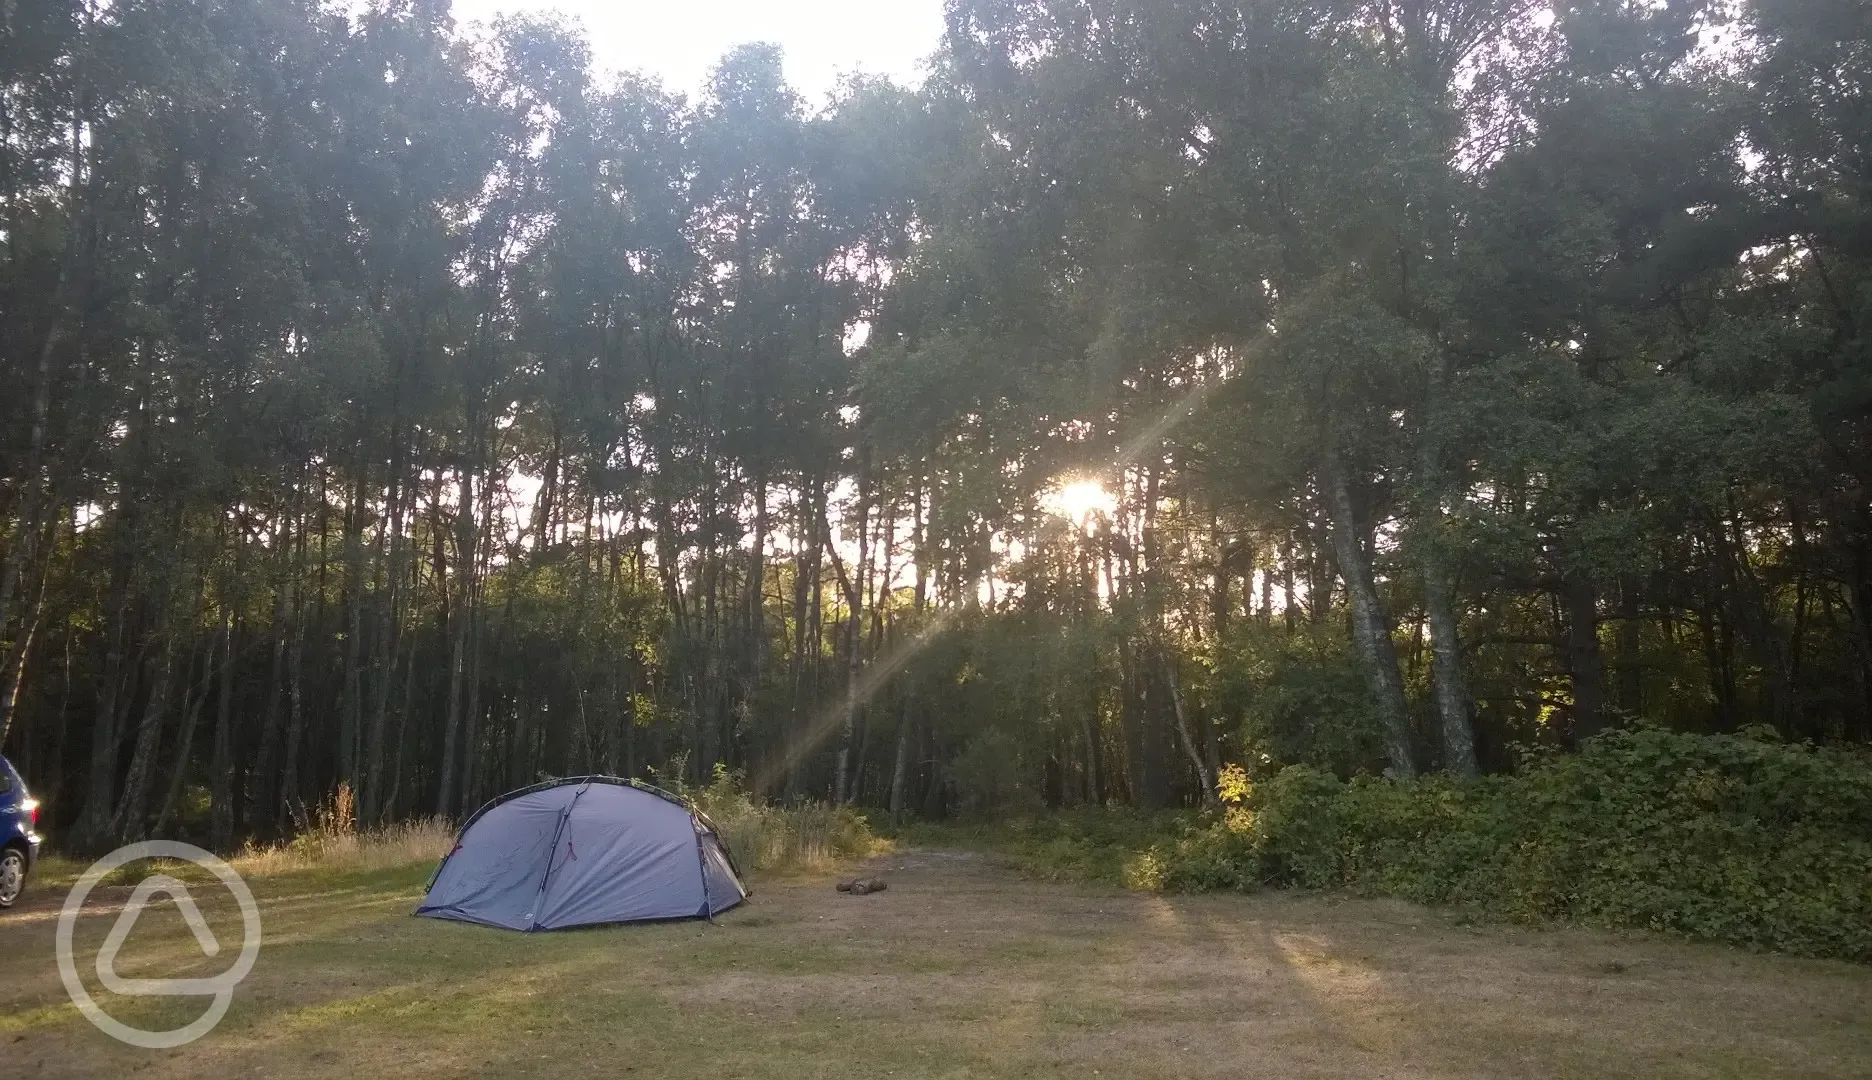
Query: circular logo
220, 987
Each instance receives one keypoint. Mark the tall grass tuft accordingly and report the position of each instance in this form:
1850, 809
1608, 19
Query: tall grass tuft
331, 840
775, 839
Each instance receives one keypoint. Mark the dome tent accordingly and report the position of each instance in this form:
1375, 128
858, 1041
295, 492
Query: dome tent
584, 851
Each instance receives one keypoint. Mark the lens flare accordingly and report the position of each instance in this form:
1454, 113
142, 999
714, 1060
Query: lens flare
1078, 500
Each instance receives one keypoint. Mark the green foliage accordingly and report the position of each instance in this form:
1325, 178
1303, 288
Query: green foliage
1728, 838
1300, 699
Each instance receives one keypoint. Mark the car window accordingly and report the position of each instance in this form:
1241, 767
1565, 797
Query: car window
6, 781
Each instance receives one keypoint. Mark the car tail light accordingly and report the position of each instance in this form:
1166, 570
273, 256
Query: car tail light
31, 806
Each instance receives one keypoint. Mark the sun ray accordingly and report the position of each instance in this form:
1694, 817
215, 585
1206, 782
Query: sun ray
874, 679
1078, 500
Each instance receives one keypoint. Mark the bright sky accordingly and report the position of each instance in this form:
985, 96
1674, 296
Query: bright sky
678, 40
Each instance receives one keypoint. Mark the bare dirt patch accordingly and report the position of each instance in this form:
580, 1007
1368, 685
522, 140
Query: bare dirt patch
962, 969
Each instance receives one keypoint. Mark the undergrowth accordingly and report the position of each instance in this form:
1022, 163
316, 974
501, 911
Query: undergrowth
772, 838
1738, 839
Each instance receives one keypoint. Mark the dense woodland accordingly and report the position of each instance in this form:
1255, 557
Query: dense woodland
1382, 385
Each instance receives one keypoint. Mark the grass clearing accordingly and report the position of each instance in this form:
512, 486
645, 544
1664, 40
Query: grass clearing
962, 969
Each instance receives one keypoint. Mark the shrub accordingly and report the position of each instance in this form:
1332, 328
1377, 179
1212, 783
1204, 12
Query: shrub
1727, 838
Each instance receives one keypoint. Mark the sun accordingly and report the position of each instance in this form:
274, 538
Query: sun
1079, 500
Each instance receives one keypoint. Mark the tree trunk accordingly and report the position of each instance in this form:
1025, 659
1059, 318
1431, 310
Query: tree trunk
371, 801
1290, 612
1371, 632
854, 659
263, 787
471, 714
1446, 670
221, 779
1132, 705
809, 522
1583, 661
458, 646
756, 647
1184, 734
1630, 670
392, 801
13, 676
353, 705
1450, 685
131, 822
900, 766
289, 792
94, 826
1751, 605
31, 510
192, 702
13, 667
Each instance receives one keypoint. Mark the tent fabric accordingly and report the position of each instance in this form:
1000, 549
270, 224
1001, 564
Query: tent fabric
718, 876
584, 852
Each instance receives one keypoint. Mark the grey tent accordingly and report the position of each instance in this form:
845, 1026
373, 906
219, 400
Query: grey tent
584, 852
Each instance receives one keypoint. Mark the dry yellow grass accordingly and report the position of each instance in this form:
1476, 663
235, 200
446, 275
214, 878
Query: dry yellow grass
320, 851
342, 851
806, 839
960, 970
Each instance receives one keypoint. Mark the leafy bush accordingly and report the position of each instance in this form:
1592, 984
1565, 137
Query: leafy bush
1727, 838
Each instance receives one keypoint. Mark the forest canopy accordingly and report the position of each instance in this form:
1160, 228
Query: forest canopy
1165, 391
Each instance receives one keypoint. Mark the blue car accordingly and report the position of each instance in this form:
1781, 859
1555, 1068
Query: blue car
19, 838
